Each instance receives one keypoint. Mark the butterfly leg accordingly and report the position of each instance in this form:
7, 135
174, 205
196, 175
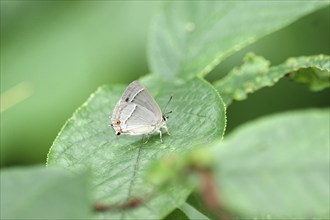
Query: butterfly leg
166, 129
160, 135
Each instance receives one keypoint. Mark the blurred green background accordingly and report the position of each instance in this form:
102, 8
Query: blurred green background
54, 54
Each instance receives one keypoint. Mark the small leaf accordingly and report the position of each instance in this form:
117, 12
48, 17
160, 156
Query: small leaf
43, 193
277, 167
190, 38
255, 74
119, 163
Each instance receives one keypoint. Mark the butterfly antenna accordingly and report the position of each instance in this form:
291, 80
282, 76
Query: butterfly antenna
168, 102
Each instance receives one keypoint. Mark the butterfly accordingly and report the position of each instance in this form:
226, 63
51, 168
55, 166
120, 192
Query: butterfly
137, 113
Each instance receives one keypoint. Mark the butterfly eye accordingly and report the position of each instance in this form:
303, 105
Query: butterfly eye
119, 132
117, 122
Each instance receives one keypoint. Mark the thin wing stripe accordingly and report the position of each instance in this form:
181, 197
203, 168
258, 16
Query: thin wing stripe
130, 114
132, 98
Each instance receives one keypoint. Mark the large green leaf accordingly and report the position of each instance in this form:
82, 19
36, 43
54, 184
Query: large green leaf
190, 38
119, 163
43, 193
255, 74
277, 167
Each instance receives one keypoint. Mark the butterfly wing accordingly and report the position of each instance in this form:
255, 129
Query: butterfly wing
136, 112
139, 95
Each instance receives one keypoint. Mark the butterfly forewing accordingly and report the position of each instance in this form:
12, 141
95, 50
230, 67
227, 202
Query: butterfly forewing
139, 95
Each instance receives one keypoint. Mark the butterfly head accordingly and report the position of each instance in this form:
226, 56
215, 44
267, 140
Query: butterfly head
165, 116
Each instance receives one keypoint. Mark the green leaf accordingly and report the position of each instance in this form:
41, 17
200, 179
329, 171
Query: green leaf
314, 71
43, 193
277, 167
255, 74
119, 163
190, 38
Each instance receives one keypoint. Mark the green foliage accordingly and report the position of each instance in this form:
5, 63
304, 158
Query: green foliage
40, 193
314, 71
273, 168
256, 73
277, 167
269, 168
190, 38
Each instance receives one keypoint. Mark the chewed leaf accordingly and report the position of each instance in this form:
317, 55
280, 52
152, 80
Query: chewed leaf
189, 38
313, 71
119, 163
256, 73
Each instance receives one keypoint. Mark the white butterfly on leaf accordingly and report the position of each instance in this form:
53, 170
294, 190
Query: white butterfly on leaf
137, 113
